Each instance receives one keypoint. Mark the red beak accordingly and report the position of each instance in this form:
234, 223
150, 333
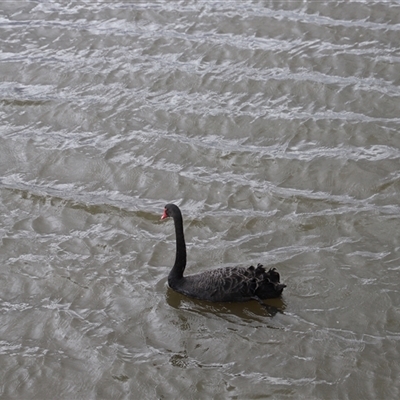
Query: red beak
164, 215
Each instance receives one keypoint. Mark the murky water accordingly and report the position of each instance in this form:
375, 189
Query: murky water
274, 125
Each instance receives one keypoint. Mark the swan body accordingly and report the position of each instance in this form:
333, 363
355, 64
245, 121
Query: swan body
234, 284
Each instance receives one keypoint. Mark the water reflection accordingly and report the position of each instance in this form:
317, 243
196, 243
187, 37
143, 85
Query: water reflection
244, 310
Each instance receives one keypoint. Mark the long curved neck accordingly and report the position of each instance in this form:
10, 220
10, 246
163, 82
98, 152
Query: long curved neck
180, 259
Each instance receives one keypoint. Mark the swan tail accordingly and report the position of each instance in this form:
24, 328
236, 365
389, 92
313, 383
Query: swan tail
267, 282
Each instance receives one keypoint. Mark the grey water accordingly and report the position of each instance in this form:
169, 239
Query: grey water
274, 125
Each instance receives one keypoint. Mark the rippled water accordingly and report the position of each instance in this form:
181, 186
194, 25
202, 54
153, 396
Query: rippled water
273, 124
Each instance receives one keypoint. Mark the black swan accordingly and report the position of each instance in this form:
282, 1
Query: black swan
223, 284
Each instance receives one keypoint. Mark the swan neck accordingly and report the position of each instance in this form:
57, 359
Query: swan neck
180, 259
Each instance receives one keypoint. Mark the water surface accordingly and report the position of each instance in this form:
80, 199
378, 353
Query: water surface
273, 125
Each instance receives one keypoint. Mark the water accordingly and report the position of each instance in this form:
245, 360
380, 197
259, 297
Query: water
274, 126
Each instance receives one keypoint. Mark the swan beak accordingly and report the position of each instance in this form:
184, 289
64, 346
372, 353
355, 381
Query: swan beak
164, 215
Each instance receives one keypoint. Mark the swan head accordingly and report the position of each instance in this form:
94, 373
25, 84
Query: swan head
171, 210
